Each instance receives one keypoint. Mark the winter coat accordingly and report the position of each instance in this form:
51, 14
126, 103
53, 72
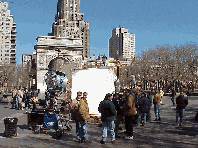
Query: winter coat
74, 110
143, 104
107, 110
181, 102
83, 110
129, 106
118, 104
14, 94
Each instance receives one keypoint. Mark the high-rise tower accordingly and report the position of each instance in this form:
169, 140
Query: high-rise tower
70, 23
122, 44
7, 35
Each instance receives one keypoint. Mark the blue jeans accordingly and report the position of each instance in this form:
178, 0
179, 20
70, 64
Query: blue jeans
110, 125
19, 103
157, 110
149, 114
179, 113
139, 118
83, 131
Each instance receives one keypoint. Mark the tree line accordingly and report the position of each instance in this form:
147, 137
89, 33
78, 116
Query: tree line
163, 67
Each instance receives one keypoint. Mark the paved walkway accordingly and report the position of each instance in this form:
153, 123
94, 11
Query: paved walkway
164, 134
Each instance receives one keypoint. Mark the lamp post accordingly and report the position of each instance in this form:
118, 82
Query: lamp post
104, 58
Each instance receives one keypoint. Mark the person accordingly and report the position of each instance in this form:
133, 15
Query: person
19, 99
34, 95
117, 101
181, 102
173, 94
83, 118
150, 98
157, 105
26, 99
108, 114
188, 94
133, 92
14, 95
162, 94
129, 112
75, 113
143, 108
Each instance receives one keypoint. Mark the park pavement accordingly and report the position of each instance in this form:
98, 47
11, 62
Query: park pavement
164, 134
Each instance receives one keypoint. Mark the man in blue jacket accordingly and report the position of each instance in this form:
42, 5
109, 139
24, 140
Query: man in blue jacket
108, 114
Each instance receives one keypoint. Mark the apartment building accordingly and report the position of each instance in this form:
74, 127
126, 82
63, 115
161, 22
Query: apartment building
8, 36
69, 23
122, 44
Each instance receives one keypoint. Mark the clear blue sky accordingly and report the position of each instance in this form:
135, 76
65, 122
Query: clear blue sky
154, 22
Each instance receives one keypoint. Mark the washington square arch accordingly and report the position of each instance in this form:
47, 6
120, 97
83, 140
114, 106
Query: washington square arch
57, 53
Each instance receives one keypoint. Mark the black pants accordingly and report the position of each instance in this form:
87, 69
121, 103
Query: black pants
129, 125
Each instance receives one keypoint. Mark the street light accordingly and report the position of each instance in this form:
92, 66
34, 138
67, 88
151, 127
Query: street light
104, 58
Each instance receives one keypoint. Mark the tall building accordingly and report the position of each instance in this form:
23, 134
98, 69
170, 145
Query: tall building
122, 44
8, 35
70, 23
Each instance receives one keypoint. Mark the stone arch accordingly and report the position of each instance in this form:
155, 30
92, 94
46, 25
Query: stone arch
58, 62
63, 64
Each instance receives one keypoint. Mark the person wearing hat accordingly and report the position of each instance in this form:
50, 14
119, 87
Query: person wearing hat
108, 115
75, 112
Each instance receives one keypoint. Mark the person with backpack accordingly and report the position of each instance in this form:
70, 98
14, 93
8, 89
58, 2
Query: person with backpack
181, 102
108, 116
143, 109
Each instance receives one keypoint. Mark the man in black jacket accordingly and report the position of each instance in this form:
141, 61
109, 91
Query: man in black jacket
143, 108
118, 102
181, 102
108, 114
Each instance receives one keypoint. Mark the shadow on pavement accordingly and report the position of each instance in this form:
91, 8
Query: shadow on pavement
190, 131
23, 126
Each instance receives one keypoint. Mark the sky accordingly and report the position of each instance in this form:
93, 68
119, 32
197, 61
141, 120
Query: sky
154, 22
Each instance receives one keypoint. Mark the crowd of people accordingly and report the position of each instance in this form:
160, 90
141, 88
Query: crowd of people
131, 107
24, 98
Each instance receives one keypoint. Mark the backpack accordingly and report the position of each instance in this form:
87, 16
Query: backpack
144, 105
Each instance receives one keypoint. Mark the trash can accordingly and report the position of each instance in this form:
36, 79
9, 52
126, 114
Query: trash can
10, 127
